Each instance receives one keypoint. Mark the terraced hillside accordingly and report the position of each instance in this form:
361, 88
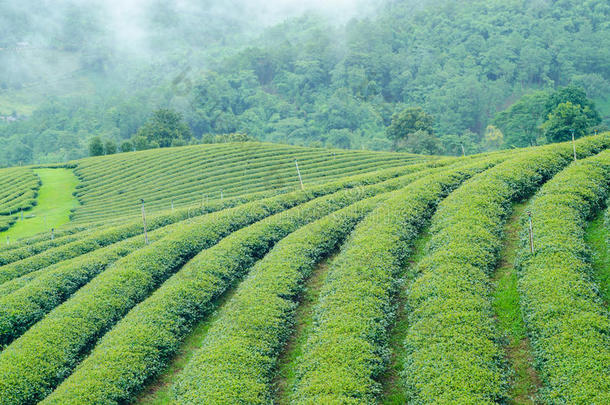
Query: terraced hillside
114, 185
18, 191
363, 288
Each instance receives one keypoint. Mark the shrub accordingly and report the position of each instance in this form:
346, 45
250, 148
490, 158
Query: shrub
563, 311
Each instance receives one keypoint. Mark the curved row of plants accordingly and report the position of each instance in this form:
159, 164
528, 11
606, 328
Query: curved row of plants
140, 344
238, 356
41, 358
454, 350
569, 325
21, 307
116, 233
35, 363
231, 184
180, 197
18, 192
44, 240
201, 175
25, 300
347, 348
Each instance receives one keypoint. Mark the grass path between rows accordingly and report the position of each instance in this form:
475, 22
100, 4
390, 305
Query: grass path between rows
506, 303
596, 236
55, 200
159, 390
393, 392
286, 378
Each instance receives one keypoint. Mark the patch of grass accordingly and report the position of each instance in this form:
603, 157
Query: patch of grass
285, 378
393, 391
507, 308
159, 390
596, 238
55, 200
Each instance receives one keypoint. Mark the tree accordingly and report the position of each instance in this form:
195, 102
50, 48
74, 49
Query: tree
126, 146
521, 121
422, 142
576, 96
409, 121
493, 139
566, 117
110, 147
96, 147
164, 127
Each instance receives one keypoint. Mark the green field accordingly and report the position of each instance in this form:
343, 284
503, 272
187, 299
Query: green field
54, 202
389, 278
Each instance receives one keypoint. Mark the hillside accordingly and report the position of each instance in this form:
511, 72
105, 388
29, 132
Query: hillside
316, 79
390, 278
112, 187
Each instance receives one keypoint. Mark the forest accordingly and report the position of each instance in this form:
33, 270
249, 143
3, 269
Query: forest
487, 74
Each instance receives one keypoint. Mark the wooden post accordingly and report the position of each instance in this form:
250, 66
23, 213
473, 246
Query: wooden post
529, 215
144, 221
573, 144
299, 173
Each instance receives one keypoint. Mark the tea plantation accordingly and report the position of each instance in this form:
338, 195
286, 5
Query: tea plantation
372, 281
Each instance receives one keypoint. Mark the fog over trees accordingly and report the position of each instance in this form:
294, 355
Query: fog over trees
316, 73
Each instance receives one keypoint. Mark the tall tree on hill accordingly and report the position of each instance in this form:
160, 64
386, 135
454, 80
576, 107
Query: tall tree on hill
164, 127
521, 122
412, 130
564, 119
576, 96
96, 147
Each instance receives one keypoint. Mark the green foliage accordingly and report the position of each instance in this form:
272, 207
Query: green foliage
548, 114
347, 350
296, 83
566, 118
109, 147
126, 146
113, 186
237, 358
567, 321
186, 297
32, 365
576, 96
409, 121
165, 127
493, 139
96, 147
42, 357
454, 348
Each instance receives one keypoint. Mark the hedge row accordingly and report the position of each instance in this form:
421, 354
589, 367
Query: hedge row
44, 238
140, 345
181, 196
201, 172
106, 236
347, 349
455, 355
18, 191
14, 264
107, 211
21, 307
569, 325
35, 363
236, 360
